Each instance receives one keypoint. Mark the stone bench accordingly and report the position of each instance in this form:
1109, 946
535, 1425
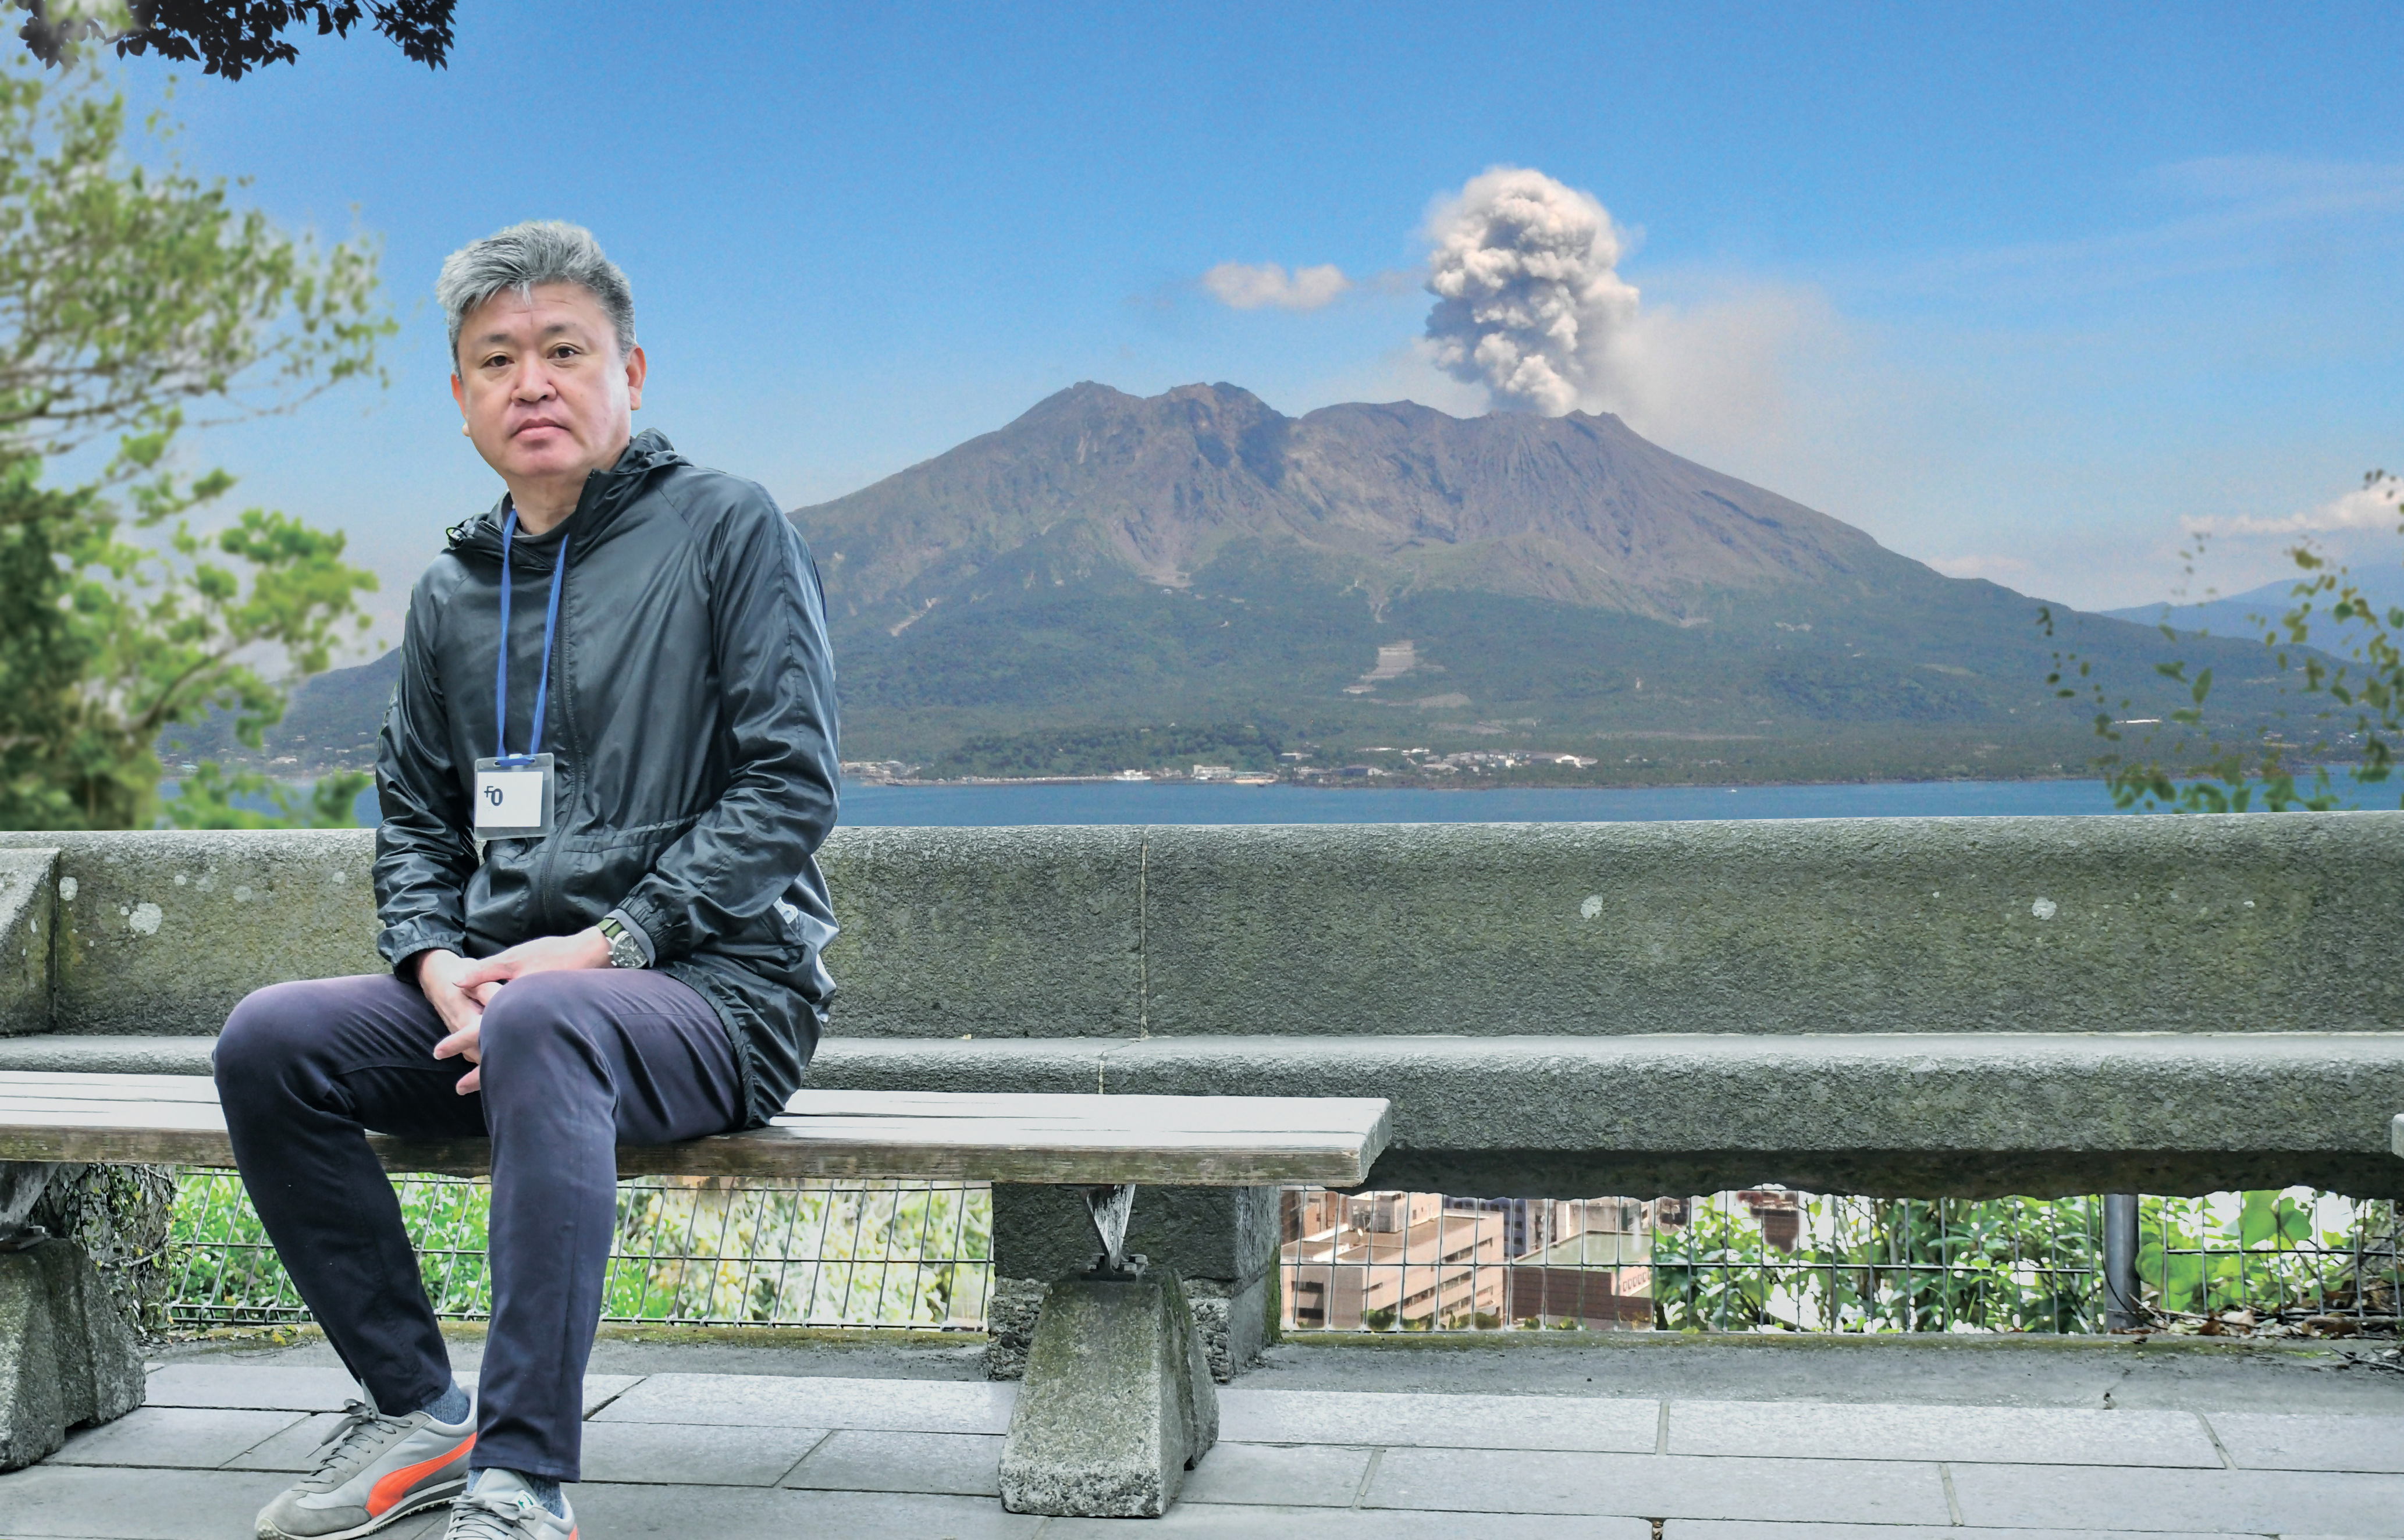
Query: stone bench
1117, 1404
1912, 1006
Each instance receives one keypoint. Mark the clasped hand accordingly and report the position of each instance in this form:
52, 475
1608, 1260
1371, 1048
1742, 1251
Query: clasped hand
459, 989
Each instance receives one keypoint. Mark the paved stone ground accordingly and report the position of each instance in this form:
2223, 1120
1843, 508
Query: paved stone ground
1615, 1438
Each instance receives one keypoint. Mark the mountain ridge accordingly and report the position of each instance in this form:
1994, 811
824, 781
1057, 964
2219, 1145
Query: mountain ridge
1106, 560
1577, 509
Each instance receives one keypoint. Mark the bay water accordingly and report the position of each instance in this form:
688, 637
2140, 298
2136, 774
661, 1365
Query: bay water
1001, 805
1189, 802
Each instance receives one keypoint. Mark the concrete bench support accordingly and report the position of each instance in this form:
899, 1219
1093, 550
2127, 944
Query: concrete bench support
1118, 1402
67, 1358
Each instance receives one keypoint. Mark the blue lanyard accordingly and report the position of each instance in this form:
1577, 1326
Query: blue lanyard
501, 674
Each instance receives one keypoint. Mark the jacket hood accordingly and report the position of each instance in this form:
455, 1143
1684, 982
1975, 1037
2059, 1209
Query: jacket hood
606, 495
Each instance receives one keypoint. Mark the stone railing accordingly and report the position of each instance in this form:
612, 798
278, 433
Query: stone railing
1964, 1006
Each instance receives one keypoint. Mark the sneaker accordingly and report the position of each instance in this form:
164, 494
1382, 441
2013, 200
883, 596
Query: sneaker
372, 1470
496, 1505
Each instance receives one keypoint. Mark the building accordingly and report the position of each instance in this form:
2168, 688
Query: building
1379, 1261
1597, 1280
1382, 1260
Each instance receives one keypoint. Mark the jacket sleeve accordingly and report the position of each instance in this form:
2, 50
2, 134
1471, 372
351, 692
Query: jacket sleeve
424, 852
776, 676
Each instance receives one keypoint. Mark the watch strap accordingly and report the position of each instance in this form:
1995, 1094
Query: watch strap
626, 944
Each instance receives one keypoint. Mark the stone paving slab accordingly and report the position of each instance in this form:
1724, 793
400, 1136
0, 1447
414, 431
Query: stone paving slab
2222, 1502
891, 1406
49, 1500
681, 1454
2311, 1442
260, 1388
1190, 1520
610, 1512
2048, 1436
1597, 1423
177, 1437
294, 1449
307, 1390
1658, 1486
1743, 1528
962, 1464
1283, 1476
804, 1457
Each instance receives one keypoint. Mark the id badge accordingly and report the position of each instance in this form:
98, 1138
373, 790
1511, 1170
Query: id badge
513, 798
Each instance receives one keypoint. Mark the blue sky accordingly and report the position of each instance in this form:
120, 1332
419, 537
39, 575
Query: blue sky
2017, 289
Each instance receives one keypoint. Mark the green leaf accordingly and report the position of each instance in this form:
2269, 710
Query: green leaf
128, 294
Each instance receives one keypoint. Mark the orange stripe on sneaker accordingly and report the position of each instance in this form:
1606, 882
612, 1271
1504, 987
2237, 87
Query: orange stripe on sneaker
392, 1486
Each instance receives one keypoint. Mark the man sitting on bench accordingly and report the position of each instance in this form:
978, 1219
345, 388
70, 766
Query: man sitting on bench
644, 743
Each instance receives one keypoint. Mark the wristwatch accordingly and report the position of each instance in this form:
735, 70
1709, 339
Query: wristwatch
624, 950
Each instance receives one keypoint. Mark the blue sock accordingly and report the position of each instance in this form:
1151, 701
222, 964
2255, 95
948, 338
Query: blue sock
545, 1489
450, 1407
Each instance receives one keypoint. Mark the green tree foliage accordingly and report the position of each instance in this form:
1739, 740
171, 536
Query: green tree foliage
208, 797
2023, 1264
126, 295
1882, 1265
228, 39
2340, 648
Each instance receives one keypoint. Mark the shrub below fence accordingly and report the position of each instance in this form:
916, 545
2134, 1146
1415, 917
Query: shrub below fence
704, 1251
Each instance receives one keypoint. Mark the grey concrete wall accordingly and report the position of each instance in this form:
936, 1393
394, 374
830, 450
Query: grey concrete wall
992, 932
2243, 923
1905, 925
28, 920
164, 933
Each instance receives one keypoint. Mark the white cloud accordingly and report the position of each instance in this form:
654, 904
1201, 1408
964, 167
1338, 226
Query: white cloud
2370, 507
1244, 285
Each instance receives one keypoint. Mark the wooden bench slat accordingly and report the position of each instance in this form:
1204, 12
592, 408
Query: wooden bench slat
846, 1135
1078, 1104
110, 1088
757, 1153
130, 1109
25, 1118
872, 1132
27, 1115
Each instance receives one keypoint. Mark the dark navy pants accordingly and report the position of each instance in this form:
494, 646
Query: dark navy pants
575, 1062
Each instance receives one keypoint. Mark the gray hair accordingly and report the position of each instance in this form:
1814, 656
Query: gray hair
539, 251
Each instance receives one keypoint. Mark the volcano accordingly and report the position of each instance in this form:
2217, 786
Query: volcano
1112, 580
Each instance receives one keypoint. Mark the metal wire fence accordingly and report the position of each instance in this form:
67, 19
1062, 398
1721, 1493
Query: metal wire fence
2297, 1263
728, 1252
701, 1251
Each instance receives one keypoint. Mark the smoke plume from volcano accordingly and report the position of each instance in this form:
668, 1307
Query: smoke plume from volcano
1529, 301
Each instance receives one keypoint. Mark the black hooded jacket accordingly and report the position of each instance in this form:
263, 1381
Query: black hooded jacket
691, 719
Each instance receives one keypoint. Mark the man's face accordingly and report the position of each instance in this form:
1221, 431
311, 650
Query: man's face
545, 393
